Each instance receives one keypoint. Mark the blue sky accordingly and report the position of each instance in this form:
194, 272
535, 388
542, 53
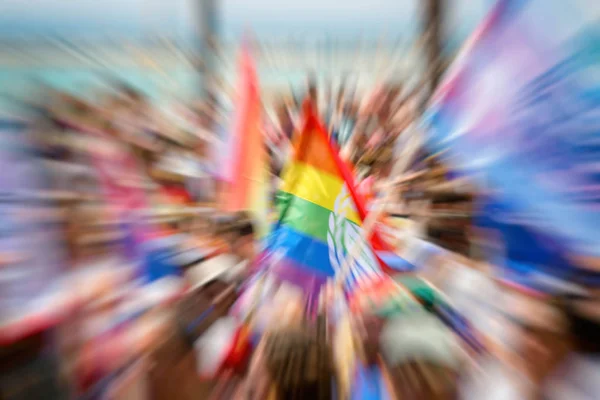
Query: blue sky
135, 18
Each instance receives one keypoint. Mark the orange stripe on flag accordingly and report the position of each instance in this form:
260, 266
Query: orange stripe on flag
312, 147
316, 153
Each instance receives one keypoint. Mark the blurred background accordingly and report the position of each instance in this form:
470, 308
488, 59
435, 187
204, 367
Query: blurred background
305, 199
75, 47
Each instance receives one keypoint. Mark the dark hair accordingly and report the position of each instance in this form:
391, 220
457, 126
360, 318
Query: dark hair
246, 229
237, 226
300, 363
584, 331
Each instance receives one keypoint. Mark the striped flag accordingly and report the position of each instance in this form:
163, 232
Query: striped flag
320, 217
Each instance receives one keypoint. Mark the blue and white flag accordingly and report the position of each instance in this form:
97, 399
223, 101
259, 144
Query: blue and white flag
522, 105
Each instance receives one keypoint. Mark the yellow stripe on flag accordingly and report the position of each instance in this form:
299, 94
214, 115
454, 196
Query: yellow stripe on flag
314, 185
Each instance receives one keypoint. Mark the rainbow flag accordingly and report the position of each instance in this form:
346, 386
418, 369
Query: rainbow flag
320, 217
246, 178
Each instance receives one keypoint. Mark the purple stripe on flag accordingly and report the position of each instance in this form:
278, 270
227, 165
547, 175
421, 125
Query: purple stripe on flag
309, 281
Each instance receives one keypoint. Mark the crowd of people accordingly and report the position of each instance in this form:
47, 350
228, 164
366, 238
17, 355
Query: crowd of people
123, 186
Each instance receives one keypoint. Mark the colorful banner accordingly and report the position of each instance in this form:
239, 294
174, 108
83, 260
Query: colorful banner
247, 180
320, 216
522, 105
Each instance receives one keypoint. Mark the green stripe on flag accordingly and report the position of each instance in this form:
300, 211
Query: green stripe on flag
304, 216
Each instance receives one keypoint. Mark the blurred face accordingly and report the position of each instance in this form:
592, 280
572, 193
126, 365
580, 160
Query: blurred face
245, 247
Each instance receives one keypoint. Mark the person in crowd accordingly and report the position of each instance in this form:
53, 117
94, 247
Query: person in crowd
300, 365
280, 134
347, 123
204, 316
243, 246
293, 362
366, 188
311, 99
421, 355
471, 288
380, 167
201, 187
578, 377
335, 115
368, 329
234, 264
540, 343
286, 124
526, 328
344, 348
390, 102
356, 145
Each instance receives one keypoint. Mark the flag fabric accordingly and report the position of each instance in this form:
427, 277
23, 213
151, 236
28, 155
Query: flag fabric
246, 173
240, 351
521, 104
320, 216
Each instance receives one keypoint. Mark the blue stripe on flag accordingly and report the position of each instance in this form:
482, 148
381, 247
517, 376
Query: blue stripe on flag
303, 250
313, 255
